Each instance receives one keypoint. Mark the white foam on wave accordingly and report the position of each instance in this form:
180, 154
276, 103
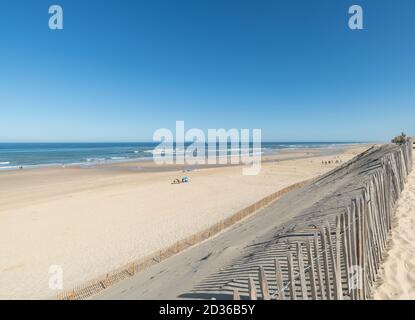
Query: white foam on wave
9, 168
160, 151
173, 151
95, 159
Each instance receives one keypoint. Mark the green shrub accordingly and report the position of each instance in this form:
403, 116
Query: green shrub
400, 139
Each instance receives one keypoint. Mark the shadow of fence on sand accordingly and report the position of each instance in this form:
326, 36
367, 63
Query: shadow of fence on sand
333, 250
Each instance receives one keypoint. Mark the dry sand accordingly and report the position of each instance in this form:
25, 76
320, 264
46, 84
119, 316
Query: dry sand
90, 221
397, 277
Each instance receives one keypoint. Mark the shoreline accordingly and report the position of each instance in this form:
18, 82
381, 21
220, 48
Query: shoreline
109, 162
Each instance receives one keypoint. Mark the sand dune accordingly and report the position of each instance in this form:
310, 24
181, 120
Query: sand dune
397, 278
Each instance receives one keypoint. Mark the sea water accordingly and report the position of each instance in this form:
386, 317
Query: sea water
16, 155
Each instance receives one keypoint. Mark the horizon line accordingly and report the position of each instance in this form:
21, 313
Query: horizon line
267, 141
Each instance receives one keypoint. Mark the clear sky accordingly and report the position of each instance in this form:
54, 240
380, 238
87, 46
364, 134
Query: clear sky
119, 70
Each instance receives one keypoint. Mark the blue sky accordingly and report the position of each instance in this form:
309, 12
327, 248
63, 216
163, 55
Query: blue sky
122, 69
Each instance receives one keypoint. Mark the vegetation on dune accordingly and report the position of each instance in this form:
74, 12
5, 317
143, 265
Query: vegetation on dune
400, 139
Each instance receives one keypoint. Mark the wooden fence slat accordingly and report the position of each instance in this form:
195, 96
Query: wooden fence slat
291, 276
364, 248
337, 270
382, 183
325, 263
355, 247
252, 289
345, 247
319, 272
311, 270
236, 295
372, 263
377, 250
332, 258
301, 271
332, 263
263, 283
349, 226
382, 221
352, 277
378, 196
359, 248
278, 276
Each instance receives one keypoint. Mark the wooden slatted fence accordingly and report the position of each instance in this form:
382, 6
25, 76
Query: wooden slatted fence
339, 258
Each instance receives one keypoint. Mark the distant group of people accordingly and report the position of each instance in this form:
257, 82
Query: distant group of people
326, 162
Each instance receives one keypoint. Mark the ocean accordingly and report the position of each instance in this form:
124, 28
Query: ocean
15, 155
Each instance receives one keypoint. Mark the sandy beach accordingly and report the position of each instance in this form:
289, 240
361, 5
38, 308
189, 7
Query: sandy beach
91, 220
397, 276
